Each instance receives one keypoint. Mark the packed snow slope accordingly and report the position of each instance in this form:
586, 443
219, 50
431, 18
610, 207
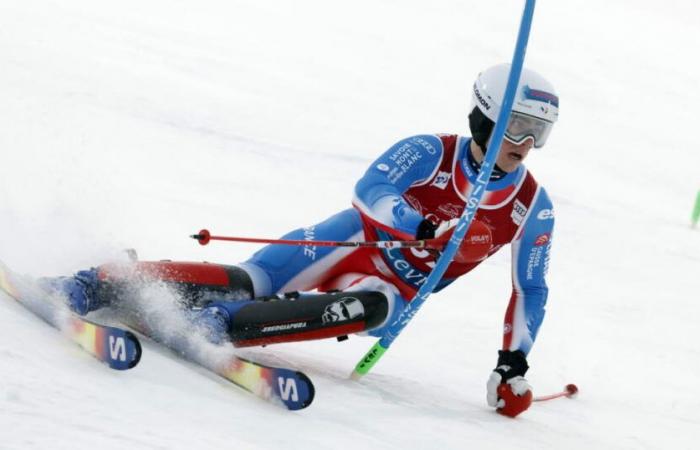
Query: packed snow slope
136, 123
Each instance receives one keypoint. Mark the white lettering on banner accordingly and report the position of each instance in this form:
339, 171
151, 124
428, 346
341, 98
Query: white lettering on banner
285, 327
288, 389
404, 158
402, 264
478, 239
479, 185
425, 144
310, 250
404, 268
117, 348
394, 175
533, 261
545, 214
415, 274
545, 268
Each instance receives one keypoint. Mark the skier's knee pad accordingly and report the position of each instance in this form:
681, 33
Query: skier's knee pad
301, 317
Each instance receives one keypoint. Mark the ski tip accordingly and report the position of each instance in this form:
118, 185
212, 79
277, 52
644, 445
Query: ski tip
294, 388
137, 349
311, 390
120, 349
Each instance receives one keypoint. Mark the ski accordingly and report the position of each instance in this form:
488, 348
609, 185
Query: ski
119, 349
291, 388
288, 388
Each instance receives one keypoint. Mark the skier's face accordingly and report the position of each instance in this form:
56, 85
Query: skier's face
512, 155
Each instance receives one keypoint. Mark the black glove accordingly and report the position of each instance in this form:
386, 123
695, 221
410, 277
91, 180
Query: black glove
426, 230
511, 364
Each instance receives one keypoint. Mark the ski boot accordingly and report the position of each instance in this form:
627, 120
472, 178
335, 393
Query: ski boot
212, 322
80, 290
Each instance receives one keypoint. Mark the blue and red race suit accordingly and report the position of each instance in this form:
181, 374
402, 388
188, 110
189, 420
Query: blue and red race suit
421, 177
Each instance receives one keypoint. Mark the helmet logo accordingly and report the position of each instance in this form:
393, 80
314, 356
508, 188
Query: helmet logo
481, 99
540, 96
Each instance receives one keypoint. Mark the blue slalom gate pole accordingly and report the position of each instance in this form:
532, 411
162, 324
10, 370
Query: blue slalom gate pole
473, 201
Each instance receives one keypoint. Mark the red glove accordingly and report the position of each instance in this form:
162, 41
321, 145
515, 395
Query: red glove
507, 388
513, 404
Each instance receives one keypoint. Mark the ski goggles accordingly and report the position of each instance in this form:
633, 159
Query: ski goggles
522, 126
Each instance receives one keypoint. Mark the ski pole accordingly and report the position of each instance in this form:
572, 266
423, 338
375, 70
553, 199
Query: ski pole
475, 195
203, 237
570, 391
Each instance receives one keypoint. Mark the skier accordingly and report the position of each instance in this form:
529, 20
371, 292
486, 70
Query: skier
416, 190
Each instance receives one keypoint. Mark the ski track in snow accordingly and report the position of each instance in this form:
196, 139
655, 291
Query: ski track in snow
135, 124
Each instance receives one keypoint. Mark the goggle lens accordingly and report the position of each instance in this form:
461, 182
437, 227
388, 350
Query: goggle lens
521, 126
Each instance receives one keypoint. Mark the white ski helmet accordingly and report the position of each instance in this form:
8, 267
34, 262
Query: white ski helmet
535, 106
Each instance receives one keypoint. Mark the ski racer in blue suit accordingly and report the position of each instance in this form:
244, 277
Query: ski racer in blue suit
416, 190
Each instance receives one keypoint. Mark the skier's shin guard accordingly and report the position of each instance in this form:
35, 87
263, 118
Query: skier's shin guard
303, 317
196, 283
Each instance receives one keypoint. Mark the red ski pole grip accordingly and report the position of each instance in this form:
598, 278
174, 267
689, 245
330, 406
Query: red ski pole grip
203, 237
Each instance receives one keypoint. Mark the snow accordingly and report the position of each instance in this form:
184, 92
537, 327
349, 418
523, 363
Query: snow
136, 123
